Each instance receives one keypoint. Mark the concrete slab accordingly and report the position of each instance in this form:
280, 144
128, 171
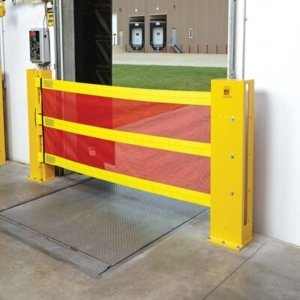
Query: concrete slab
171, 59
185, 266
86, 264
272, 273
182, 266
15, 188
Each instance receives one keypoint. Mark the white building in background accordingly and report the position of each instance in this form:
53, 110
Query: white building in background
193, 26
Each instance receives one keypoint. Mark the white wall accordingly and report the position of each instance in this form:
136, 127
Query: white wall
273, 60
16, 24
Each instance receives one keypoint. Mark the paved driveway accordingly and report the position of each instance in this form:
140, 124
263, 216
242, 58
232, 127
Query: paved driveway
171, 59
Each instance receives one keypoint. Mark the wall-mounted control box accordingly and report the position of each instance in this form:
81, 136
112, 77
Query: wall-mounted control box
39, 42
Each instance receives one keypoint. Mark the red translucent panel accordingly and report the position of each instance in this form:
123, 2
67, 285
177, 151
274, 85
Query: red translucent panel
183, 122
181, 170
167, 120
82, 149
78, 108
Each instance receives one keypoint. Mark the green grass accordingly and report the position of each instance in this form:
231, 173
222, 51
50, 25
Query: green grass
166, 77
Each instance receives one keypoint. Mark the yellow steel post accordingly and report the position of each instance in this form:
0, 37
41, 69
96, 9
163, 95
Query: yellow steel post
2, 131
232, 124
39, 171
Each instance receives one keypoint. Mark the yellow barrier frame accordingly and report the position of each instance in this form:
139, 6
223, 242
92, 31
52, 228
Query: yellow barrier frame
39, 171
2, 129
231, 148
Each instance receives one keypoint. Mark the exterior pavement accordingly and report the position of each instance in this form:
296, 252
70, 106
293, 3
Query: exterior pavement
170, 59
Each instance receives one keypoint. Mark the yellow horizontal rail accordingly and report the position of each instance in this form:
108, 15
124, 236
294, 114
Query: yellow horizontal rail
131, 94
137, 139
165, 190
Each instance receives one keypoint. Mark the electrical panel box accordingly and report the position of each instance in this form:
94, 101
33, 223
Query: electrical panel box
39, 46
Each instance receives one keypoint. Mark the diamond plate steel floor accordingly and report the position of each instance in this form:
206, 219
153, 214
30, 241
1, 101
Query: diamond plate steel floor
15, 188
105, 221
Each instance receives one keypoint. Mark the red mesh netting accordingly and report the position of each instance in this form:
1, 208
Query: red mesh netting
167, 120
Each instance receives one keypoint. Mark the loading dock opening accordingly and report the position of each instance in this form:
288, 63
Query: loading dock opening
137, 33
158, 32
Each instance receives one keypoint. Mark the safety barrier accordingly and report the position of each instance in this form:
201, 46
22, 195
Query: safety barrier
92, 129
2, 131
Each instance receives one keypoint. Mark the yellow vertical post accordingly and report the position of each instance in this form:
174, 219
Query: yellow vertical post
232, 124
39, 171
2, 130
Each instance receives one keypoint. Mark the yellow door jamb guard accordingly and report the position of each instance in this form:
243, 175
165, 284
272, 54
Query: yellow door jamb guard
232, 141
131, 94
137, 139
165, 190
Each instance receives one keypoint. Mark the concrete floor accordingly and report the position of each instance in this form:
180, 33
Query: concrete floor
15, 188
181, 265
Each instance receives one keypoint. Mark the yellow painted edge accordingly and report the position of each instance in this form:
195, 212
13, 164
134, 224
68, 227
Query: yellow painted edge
228, 244
41, 157
131, 94
2, 9
177, 193
137, 139
37, 82
39, 119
